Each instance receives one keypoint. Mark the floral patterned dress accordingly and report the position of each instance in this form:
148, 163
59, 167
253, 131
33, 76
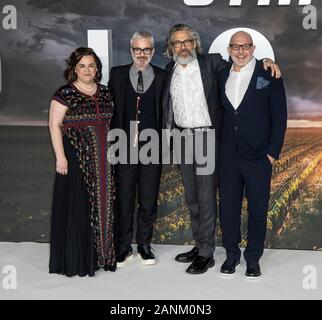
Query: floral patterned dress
82, 226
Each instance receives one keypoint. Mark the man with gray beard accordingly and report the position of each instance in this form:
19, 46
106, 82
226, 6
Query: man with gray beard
191, 104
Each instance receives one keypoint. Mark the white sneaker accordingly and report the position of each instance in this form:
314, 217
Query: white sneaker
146, 255
124, 258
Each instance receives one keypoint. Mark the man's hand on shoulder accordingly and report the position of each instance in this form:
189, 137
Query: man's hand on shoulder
275, 70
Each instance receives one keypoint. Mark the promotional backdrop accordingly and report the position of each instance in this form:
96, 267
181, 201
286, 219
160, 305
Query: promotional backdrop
37, 36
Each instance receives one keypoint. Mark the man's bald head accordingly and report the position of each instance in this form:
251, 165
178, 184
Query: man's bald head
241, 49
241, 36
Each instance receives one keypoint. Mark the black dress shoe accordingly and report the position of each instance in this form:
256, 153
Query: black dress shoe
229, 266
200, 265
146, 254
253, 272
187, 256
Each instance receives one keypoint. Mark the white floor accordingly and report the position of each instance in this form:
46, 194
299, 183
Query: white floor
283, 277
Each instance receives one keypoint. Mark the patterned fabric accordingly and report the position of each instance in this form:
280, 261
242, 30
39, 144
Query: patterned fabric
188, 97
86, 124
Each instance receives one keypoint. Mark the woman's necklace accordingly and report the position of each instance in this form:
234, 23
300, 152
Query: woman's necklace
90, 91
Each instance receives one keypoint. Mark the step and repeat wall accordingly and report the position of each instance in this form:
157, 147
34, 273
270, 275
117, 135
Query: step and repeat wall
37, 36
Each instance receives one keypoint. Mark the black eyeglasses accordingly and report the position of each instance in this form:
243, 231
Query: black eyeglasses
236, 47
146, 51
186, 43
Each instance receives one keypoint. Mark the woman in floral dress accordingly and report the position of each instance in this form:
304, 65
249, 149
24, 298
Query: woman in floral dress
82, 239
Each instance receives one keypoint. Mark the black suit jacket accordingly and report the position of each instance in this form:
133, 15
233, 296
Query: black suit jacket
117, 83
210, 65
258, 125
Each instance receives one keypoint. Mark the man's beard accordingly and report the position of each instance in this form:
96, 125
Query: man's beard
182, 61
235, 61
141, 60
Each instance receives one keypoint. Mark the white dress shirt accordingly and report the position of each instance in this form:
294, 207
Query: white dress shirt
238, 82
188, 97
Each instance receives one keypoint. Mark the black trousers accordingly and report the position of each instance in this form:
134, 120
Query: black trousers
254, 176
144, 181
200, 193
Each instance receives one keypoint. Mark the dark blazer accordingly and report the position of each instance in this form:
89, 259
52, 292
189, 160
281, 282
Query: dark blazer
117, 83
258, 125
210, 65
